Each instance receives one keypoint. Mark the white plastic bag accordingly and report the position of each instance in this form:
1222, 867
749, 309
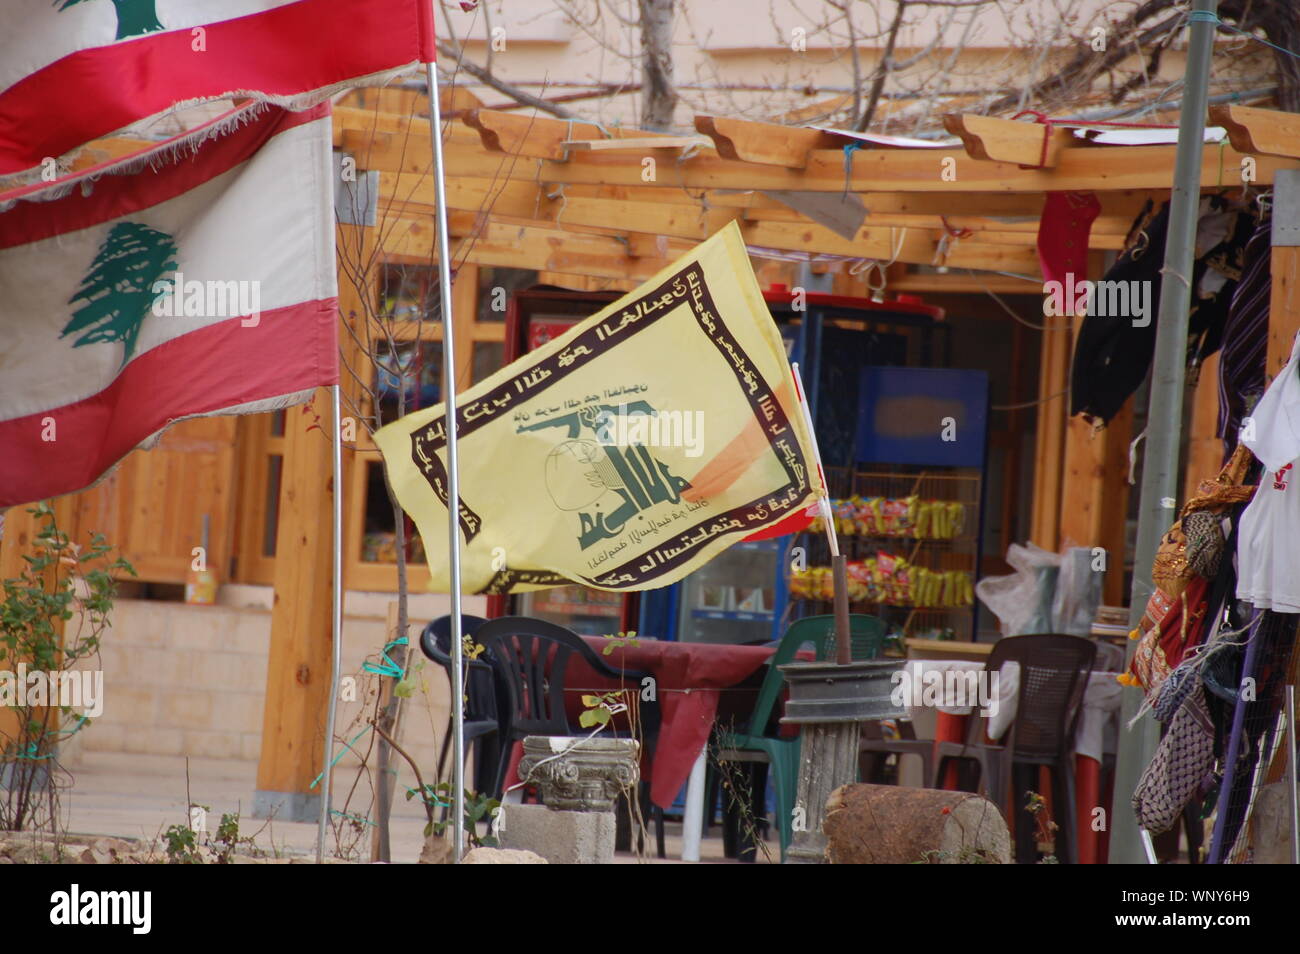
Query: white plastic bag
1022, 602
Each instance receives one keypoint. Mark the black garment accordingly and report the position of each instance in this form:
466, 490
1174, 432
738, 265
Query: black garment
1245, 338
1112, 355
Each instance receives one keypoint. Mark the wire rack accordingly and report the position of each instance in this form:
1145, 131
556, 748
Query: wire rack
959, 552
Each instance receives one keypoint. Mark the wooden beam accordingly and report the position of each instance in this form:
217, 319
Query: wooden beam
1098, 169
1261, 132
538, 137
640, 142
412, 195
1031, 145
764, 143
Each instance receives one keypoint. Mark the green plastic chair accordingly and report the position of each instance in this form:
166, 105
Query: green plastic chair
867, 637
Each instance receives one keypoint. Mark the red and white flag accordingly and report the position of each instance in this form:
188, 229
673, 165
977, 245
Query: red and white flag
194, 278
75, 70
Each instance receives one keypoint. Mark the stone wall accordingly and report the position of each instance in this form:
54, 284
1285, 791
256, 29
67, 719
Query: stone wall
185, 680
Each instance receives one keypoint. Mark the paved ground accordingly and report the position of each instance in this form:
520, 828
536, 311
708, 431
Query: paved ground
140, 796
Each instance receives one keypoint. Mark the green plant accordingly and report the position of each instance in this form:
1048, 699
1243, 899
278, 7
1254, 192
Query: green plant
61, 581
614, 640
477, 809
600, 708
182, 845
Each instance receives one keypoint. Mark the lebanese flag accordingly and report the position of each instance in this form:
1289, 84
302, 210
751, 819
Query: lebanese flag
193, 278
75, 70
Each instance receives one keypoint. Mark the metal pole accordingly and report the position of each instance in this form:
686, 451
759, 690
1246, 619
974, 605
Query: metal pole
336, 629
453, 476
1157, 504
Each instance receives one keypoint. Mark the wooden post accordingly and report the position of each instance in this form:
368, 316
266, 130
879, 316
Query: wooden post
1094, 493
298, 667
1204, 447
1284, 302
464, 305
828, 758
1049, 448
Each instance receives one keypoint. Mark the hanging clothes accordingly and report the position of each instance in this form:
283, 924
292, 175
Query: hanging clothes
1245, 336
1113, 353
1268, 546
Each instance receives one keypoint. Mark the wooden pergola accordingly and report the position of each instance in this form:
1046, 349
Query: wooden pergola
588, 206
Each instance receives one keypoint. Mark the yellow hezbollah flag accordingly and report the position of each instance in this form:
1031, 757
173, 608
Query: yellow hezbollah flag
625, 453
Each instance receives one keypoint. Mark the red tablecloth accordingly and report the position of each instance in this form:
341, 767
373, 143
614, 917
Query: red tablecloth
689, 683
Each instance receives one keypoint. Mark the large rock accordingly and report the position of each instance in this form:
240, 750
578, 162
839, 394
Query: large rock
889, 825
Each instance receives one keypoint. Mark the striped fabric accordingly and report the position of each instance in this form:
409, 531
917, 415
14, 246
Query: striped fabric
1245, 338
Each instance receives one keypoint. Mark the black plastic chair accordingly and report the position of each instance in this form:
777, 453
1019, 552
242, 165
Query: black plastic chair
534, 655
1054, 673
485, 711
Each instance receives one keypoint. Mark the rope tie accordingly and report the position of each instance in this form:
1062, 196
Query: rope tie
849, 150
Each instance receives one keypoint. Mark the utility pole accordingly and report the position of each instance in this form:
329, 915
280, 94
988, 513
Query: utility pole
1157, 507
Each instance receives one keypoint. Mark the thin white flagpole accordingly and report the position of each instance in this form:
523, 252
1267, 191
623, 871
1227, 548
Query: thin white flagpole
828, 515
336, 630
453, 476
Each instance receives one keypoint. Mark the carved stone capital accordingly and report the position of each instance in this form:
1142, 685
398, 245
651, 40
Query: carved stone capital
580, 775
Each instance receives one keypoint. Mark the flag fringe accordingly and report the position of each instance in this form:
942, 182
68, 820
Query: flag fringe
187, 143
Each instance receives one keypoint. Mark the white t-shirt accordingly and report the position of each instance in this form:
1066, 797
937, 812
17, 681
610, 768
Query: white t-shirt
1268, 544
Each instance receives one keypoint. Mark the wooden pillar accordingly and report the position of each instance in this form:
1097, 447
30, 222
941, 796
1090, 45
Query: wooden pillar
1094, 489
1049, 445
464, 312
1094, 493
1284, 303
298, 667
1204, 447
299, 663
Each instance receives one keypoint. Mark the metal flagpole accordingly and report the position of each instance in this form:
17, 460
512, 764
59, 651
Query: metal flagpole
1156, 507
336, 629
453, 477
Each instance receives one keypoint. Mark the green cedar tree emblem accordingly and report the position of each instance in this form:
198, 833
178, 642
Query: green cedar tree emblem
134, 17
118, 290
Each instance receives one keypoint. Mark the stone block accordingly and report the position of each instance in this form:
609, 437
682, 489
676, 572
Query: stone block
502, 856
562, 838
187, 710
212, 745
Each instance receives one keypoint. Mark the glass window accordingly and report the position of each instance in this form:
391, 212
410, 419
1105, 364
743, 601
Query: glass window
495, 288
489, 356
412, 369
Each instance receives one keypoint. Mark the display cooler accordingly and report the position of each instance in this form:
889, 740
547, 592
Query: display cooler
903, 441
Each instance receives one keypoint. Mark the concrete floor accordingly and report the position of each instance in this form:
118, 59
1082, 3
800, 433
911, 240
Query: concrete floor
140, 796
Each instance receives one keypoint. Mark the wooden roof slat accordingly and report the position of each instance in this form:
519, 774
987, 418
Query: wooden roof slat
763, 143
636, 142
1006, 140
1263, 132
